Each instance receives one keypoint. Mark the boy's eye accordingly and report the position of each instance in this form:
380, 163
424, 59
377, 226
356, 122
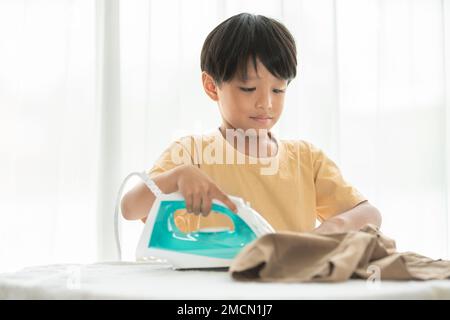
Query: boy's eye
247, 89
253, 89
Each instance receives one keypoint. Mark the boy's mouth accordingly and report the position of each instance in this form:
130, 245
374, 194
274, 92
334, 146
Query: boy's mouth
262, 119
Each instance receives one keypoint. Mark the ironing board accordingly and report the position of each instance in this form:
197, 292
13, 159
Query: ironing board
130, 280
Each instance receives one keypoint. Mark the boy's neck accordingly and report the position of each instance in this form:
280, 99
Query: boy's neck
264, 140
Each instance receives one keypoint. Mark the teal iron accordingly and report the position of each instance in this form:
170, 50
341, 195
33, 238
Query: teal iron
163, 241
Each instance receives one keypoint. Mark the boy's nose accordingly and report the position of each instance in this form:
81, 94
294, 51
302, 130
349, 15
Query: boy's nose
264, 102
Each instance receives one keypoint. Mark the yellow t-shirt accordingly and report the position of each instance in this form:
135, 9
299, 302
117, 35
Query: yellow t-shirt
290, 190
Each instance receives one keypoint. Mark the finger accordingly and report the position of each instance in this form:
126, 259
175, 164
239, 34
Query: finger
196, 202
188, 200
206, 205
224, 198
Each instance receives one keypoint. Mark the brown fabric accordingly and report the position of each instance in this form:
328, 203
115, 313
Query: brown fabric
308, 257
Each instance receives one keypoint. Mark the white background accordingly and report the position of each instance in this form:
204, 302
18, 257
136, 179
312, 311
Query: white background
91, 90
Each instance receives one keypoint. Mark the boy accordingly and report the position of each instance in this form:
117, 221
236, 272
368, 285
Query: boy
247, 62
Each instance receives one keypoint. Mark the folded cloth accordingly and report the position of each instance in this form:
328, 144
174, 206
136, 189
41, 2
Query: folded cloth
308, 257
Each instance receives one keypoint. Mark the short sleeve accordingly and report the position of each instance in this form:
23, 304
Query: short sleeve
334, 194
177, 153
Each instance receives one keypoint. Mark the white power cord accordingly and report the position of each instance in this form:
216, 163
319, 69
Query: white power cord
150, 184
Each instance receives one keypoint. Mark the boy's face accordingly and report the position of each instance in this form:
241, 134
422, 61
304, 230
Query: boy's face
254, 103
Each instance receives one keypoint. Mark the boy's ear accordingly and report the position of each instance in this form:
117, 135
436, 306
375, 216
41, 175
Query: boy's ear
209, 86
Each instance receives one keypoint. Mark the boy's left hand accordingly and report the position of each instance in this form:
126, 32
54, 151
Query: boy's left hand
353, 219
333, 225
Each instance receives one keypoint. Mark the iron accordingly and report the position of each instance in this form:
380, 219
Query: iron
163, 241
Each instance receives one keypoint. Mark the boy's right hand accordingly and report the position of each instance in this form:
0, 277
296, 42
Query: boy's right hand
198, 190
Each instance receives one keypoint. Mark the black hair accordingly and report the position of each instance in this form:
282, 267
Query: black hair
228, 47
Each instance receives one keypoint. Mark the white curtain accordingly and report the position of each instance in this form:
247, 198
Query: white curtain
91, 90
48, 132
